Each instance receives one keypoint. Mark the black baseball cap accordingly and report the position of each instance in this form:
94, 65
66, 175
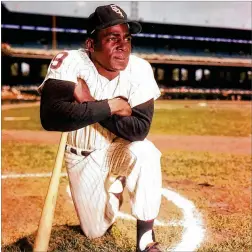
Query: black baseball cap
110, 15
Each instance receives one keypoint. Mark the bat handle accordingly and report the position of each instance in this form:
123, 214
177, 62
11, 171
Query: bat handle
46, 219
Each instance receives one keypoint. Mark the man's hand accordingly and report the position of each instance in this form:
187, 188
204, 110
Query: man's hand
81, 92
119, 106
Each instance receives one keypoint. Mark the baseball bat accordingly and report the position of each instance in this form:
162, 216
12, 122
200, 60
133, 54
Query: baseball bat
46, 219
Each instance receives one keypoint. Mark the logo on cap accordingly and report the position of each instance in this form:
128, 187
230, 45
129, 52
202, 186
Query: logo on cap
116, 10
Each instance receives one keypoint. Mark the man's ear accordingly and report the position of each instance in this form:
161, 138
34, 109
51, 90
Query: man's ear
89, 44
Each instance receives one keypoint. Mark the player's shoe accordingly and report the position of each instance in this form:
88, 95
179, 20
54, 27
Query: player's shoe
119, 196
152, 247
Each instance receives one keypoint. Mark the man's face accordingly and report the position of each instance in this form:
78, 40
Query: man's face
113, 48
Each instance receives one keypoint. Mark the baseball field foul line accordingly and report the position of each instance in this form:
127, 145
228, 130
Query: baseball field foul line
193, 232
30, 175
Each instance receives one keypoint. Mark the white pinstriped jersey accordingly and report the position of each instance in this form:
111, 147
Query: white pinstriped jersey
136, 83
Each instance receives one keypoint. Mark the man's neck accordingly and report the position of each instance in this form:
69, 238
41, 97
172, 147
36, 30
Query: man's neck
110, 75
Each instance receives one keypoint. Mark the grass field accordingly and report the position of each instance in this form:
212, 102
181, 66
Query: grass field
218, 184
171, 118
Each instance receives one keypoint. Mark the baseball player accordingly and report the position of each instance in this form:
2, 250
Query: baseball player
104, 97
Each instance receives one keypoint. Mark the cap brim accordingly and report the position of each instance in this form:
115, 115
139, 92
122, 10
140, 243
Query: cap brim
134, 27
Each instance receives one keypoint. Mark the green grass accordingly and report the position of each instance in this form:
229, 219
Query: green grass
220, 187
32, 124
71, 239
201, 121
174, 120
234, 233
218, 169
27, 157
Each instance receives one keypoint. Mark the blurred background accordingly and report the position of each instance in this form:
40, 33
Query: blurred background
198, 50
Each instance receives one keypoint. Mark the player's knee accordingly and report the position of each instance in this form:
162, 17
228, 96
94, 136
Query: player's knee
145, 149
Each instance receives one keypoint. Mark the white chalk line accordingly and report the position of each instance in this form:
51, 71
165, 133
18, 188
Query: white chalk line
11, 118
193, 232
30, 175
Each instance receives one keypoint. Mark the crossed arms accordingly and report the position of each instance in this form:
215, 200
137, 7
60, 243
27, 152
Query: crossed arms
66, 106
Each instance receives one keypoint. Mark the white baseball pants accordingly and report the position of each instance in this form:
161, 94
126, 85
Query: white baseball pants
96, 207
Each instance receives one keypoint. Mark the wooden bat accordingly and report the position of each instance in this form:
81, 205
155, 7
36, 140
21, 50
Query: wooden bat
46, 219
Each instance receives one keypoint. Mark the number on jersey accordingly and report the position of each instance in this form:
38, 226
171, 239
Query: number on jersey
58, 59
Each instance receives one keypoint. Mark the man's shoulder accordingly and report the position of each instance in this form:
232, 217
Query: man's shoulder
137, 64
134, 59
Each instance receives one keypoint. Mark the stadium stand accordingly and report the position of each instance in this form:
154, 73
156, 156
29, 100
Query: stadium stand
185, 60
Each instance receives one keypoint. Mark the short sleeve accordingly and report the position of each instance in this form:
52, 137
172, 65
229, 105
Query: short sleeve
143, 84
64, 66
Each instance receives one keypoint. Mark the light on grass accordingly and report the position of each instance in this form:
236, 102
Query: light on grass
11, 118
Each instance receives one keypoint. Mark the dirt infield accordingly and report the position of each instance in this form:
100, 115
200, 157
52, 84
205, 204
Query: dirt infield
19, 105
233, 145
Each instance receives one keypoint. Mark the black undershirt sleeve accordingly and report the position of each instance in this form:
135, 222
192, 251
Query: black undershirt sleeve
135, 127
59, 111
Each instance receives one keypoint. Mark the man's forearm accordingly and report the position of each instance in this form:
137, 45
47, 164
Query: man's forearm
60, 112
135, 127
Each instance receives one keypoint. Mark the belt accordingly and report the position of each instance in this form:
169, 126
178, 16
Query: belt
74, 151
